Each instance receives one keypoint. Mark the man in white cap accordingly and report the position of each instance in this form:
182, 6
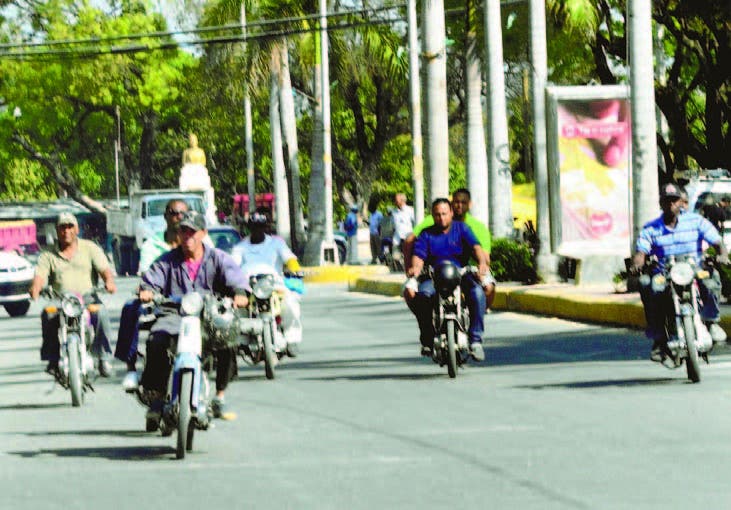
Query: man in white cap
73, 265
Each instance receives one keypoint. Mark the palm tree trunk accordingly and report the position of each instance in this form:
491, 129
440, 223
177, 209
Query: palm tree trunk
417, 159
248, 125
644, 142
475, 134
275, 128
500, 185
289, 128
437, 121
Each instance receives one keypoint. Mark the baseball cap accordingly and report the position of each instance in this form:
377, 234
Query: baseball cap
194, 220
66, 218
670, 190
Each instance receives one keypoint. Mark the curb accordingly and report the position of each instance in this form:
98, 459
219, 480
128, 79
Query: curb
341, 274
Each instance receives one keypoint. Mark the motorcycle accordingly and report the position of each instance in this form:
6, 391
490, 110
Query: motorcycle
76, 368
688, 338
186, 404
262, 332
450, 316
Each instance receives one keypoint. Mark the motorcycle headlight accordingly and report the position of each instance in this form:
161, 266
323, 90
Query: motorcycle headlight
446, 278
72, 306
659, 282
191, 304
263, 286
682, 273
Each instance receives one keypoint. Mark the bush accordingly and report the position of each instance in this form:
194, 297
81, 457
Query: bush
519, 178
511, 261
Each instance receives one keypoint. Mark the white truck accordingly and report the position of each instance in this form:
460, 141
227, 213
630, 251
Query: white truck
128, 226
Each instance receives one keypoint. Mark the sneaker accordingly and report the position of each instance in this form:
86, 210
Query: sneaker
426, 351
717, 333
105, 368
153, 415
293, 349
220, 410
478, 353
131, 381
52, 368
657, 351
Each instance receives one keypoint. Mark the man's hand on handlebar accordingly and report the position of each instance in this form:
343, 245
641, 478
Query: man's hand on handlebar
146, 295
240, 301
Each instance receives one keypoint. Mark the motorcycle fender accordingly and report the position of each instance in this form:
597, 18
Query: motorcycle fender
251, 326
73, 338
195, 390
186, 361
190, 339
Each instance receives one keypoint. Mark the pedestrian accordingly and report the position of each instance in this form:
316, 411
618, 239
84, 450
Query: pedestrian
351, 232
374, 226
403, 219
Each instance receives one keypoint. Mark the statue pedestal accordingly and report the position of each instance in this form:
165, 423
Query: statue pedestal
194, 177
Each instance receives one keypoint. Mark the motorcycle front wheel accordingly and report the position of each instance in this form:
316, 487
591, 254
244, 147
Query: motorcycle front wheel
74, 360
451, 350
184, 434
269, 356
691, 362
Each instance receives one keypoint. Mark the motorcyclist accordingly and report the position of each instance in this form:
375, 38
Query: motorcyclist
461, 205
674, 234
262, 249
72, 265
453, 241
152, 249
192, 266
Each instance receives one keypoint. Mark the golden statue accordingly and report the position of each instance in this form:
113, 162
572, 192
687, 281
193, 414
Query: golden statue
194, 154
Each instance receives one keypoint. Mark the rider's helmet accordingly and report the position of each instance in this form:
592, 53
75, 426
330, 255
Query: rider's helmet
446, 278
258, 219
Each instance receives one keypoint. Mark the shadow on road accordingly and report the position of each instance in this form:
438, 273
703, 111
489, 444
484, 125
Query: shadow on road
378, 377
21, 370
127, 453
33, 407
605, 383
92, 433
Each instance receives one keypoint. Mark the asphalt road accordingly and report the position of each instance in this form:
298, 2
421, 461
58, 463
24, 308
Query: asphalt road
561, 415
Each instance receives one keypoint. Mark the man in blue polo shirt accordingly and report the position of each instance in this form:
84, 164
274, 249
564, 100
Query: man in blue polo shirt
453, 241
676, 234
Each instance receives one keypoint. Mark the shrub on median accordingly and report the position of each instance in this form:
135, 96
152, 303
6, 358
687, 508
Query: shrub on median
511, 261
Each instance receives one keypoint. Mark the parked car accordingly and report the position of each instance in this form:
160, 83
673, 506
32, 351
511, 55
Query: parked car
16, 274
224, 237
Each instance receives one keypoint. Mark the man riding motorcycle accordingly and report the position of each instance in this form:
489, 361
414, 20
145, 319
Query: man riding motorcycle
72, 266
261, 249
192, 266
676, 234
453, 241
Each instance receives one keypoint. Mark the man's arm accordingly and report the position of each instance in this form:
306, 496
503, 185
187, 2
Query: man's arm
482, 259
43, 271
407, 248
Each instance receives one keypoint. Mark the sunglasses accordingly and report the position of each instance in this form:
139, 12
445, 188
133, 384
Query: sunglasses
171, 212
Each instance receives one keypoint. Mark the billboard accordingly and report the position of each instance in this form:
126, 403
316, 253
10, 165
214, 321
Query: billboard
589, 168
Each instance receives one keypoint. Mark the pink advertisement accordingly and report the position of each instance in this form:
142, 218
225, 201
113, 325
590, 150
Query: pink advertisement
594, 141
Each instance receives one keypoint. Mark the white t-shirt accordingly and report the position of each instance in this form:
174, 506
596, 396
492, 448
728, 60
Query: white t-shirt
273, 251
403, 223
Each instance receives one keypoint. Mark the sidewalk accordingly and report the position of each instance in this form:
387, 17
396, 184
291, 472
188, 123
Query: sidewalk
597, 304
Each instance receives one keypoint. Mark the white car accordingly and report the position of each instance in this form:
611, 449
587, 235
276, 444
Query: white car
16, 274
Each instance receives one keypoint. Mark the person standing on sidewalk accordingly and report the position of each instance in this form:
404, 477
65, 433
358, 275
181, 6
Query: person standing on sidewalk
403, 222
351, 232
676, 234
374, 226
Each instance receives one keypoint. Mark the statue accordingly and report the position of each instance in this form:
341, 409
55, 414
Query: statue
194, 154
194, 177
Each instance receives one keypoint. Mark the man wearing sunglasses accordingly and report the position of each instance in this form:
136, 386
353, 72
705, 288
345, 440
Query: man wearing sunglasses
152, 249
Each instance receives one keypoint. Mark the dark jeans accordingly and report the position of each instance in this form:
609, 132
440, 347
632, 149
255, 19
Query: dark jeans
424, 302
50, 348
158, 364
659, 304
128, 335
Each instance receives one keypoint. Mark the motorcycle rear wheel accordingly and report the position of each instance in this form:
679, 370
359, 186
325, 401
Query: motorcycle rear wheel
269, 356
74, 359
691, 362
186, 387
451, 350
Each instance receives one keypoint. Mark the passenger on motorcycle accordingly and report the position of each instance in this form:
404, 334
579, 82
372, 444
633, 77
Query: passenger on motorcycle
192, 266
461, 204
453, 241
152, 249
674, 234
72, 265
260, 249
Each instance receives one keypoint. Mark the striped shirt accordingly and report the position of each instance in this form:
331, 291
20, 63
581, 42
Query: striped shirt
660, 240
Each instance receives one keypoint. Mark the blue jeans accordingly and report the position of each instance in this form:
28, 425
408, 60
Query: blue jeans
423, 304
659, 304
128, 336
50, 348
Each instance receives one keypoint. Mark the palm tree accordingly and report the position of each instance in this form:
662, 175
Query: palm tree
279, 175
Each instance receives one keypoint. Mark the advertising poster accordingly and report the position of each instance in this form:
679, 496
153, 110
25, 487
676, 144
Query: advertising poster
593, 143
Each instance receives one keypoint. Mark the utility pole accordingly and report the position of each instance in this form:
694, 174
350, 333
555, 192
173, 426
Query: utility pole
326, 141
417, 160
117, 149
